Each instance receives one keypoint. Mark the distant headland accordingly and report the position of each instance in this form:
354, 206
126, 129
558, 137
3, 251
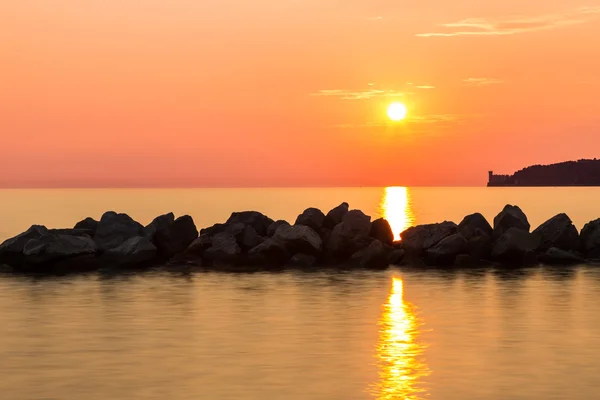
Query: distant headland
569, 173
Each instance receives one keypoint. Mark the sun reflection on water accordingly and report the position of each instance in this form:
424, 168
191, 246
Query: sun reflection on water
396, 207
399, 353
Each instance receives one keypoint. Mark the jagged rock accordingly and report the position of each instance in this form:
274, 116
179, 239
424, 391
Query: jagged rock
172, 236
133, 252
480, 247
396, 256
275, 225
515, 246
302, 260
89, 225
269, 252
250, 238
51, 247
375, 255
350, 235
446, 250
11, 251
199, 245
258, 221
382, 231
474, 225
70, 232
510, 217
299, 239
558, 232
335, 215
590, 239
419, 238
115, 229
556, 256
224, 248
213, 230
159, 223
311, 217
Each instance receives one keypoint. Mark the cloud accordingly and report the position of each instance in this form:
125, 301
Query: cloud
482, 81
375, 18
413, 120
425, 87
516, 24
357, 95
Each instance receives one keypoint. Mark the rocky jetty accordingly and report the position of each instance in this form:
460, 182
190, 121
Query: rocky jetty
341, 238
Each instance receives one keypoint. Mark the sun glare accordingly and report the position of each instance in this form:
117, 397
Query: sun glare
397, 111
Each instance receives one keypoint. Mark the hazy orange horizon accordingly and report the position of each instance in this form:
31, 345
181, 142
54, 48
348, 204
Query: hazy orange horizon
293, 93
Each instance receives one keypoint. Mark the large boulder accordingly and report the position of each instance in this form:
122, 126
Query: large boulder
301, 260
510, 217
269, 253
335, 215
224, 249
350, 235
375, 255
89, 225
11, 251
174, 237
299, 239
311, 217
590, 239
446, 250
558, 232
258, 221
275, 225
52, 247
382, 231
162, 222
213, 230
556, 256
115, 229
417, 239
515, 246
134, 252
474, 225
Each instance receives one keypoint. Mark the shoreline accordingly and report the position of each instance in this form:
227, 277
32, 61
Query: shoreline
343, 239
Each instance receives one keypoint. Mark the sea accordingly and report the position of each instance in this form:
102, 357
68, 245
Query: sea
402, 333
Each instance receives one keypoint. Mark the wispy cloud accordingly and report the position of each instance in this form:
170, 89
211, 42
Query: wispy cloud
375, 18
414, 120
515, 24
358, 95
425, 87
482, 81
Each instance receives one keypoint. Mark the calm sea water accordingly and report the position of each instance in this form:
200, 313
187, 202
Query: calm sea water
397, 334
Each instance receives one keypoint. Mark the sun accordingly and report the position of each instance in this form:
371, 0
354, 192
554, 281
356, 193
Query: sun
397, 111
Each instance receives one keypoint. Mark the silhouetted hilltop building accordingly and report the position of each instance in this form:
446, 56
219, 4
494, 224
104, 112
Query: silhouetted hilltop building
569, 173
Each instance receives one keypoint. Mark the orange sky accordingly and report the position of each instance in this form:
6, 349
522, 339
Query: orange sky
293, 92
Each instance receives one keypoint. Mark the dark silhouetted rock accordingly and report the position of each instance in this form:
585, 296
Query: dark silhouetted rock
89, 225
466, 260
249, 239
446, 250
382, 231
510, 217
70, 232
474, 225
51, 247
200, 245
275, 225
213, 230
396, 256
134, 252
350, 235
258, 221
419, 238
590, 239
311, 217
115, 229
299, 239
375, 255
480, 247
172, 236
11, 251
335, 215
514, 246
5, 268
224, 248
556, 256
558, 232
269, 252
302, 260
